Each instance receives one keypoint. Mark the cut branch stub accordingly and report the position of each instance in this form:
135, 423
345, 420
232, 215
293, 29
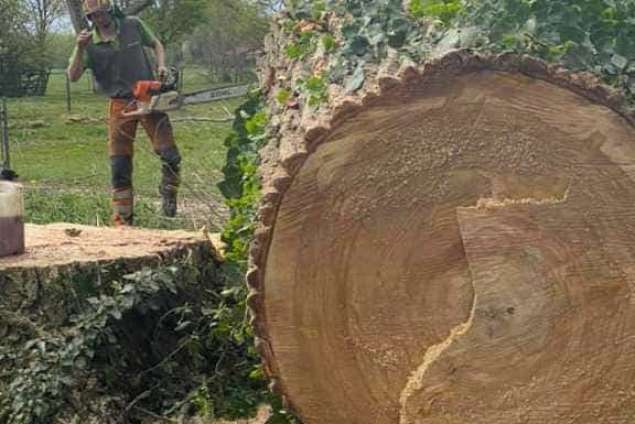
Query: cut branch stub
461, 250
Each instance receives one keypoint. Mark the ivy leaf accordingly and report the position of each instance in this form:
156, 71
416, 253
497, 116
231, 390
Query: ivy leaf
116, 314
397, 38
530, 25
349, 31
376, 38
67, 380
356, 80
619, 61
451, 40
128, 288
358, 45
182, 326
610, 69
81, 363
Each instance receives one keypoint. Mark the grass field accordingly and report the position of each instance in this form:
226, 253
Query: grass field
62, 158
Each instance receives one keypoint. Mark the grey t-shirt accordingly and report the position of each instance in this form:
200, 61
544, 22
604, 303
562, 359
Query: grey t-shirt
118, 64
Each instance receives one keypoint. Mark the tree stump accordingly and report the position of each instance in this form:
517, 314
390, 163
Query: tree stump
455, 243
64, 261
85, 312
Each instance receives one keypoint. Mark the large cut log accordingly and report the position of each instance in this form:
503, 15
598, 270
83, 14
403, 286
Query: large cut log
453, 243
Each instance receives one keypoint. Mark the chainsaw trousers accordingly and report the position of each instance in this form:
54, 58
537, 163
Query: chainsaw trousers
170, 169
121, 135
121, 171
123, 130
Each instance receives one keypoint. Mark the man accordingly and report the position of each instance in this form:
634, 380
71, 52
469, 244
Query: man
114, 51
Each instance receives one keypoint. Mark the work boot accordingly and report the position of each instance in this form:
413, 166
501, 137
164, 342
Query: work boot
122, 206
118, 221
168, 200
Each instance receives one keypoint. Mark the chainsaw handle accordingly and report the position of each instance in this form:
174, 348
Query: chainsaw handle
134, 108
133, 113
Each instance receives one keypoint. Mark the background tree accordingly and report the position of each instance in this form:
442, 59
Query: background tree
133, 7
28, 46
16, 45
233, 34
41, 16
59, 46
13, 20
172, 20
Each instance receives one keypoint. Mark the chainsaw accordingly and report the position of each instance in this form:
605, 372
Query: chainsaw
163, 96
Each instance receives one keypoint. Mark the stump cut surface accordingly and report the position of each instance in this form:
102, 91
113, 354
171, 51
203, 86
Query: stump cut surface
62, 244
461, 251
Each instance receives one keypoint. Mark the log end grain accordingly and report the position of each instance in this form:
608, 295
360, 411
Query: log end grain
458, 248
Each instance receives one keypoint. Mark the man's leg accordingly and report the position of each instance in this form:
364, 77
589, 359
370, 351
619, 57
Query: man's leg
170, 179
121, 134
159, 129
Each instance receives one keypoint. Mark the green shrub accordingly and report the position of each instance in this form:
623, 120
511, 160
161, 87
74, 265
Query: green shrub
315, 89
302, 47
283, 95
329, 43
443, 10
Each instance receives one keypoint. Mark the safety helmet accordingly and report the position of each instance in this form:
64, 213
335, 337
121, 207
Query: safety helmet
92, 6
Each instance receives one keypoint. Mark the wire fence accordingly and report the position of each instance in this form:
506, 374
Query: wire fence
18, 80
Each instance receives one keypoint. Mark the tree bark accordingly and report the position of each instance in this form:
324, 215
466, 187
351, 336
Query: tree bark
77, 15
452, 243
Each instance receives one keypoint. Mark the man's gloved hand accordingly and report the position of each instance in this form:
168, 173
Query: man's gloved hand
84, 38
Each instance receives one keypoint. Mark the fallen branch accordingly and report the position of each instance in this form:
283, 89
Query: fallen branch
155, 416
202, 119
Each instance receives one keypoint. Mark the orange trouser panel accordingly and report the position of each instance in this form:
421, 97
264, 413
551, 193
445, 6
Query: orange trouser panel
122, 130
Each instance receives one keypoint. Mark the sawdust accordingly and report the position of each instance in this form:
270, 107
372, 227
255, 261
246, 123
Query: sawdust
59, 244
264, 413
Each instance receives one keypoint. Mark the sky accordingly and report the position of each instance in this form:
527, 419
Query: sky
63, 24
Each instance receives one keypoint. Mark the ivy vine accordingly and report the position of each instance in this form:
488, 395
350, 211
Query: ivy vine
51, 364
597, 36
241, 188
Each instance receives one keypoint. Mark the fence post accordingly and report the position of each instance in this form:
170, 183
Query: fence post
4, 121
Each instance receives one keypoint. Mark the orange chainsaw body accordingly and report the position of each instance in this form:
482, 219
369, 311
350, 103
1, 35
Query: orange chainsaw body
144, 90
152, 96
